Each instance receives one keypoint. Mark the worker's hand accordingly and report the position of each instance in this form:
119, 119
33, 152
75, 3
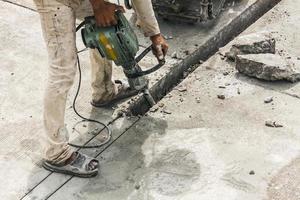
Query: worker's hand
159, 46
105, 12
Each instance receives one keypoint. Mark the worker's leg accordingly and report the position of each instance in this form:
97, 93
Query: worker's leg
103, 87
58, 24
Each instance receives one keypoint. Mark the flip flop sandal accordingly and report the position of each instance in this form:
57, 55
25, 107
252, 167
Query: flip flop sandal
123, 93
79, 167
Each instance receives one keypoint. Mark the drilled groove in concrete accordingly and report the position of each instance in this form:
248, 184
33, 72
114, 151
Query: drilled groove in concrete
69, 179
223, 37
16, 4
86, 143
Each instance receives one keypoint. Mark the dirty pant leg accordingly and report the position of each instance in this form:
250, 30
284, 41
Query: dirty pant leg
58, 24
103, 86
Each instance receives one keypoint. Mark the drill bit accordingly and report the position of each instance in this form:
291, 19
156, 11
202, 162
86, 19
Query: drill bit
149, 97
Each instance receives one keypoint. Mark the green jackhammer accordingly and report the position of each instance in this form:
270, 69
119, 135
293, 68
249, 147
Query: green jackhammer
119, 43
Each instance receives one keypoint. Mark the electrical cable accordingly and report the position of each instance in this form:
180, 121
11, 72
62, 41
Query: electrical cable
81, 116
88, 119
78, 114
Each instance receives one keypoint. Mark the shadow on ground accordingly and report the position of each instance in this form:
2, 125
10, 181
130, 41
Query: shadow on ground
125, 172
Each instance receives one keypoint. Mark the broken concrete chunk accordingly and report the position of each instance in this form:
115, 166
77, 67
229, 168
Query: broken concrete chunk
273, 124
225, 73
268, 67
165, 111
154, 109
255, 43
221, 96
252, 172
174, 55
161, 105
201, 62
268, 100
182, 89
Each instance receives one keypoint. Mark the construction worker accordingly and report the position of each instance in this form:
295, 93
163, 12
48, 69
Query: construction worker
58, 25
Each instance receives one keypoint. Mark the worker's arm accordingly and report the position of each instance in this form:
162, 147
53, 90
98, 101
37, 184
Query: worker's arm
105, 12
148, 23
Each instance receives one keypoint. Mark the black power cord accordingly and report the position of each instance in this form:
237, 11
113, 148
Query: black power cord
81, 116
88, 119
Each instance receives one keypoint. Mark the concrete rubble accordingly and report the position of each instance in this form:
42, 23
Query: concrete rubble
191, 145
255, 43
255, 56
273, 124
268, 67
269, 99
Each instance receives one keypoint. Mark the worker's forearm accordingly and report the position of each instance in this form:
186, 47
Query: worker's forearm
146, 17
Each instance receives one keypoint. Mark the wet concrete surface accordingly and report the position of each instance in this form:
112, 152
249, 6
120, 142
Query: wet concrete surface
204, 148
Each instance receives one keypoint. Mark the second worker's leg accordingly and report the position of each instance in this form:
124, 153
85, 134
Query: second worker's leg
104, 89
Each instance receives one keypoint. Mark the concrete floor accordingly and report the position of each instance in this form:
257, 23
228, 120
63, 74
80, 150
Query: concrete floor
205, 149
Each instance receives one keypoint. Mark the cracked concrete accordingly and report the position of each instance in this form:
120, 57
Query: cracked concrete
269, 67
205, 148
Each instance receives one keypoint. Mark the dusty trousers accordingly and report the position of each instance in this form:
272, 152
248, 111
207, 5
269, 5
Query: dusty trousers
58, 25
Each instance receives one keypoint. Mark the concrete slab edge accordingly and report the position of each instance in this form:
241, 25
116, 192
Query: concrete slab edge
209, 48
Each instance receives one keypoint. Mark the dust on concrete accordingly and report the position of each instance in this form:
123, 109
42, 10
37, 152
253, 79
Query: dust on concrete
173, 172
285, 184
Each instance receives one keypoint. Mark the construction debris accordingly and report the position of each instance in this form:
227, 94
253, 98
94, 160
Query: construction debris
221, 96
154, 109
201, 62
165, 111
174, 55
161, 105
256, 43
268, 100
182, 89
273, 124
268, 67
225, 73
252, 172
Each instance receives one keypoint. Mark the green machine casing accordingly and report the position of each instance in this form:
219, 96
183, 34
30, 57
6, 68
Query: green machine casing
119, 43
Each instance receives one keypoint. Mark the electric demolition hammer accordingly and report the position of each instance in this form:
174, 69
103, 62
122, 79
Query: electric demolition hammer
119, 43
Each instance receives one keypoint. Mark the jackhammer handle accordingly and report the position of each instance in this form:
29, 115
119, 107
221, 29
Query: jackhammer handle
149, 71
143, 54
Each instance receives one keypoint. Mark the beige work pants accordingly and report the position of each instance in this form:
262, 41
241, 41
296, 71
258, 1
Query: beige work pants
58, 25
